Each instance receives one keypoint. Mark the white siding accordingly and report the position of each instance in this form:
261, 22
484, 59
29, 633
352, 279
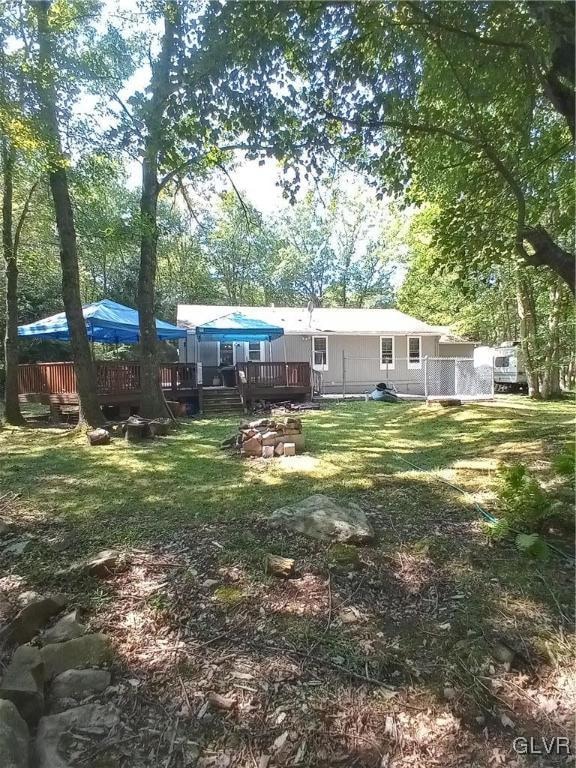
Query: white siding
361, 354
456, 350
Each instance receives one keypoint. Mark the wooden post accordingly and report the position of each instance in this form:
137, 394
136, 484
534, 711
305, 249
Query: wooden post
426, 376
343, 374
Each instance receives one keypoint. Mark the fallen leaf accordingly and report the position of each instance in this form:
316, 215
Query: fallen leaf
280, 741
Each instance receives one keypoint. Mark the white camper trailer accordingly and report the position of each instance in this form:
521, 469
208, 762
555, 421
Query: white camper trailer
509, 372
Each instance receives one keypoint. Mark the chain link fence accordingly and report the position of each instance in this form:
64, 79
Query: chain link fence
431, 377
457, 377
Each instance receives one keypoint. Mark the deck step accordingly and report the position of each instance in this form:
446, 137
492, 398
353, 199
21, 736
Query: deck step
222, 401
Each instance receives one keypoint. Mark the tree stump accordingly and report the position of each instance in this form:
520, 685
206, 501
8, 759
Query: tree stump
98, 437
136, 430
280, 566
159, 427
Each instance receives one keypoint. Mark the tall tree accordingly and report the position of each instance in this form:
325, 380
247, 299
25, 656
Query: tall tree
10, 244
457, 103
153, 118
493, 303
58, 179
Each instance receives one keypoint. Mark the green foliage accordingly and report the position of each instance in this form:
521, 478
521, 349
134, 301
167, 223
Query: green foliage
532, 544
524, 504
442, 103
344, 556
229, 596
564, 463
498, 530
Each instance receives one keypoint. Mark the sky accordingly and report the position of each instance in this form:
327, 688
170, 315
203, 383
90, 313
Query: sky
258, 183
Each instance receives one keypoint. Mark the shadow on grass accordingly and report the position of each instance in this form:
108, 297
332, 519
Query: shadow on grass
427, 604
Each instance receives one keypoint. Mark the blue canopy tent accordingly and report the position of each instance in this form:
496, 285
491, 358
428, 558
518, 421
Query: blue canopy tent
238, 327
107, 322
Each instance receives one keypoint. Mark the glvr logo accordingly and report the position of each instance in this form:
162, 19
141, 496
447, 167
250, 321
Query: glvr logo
555, 745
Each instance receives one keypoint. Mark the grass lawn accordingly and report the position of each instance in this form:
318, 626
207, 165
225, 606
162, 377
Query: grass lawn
422, 612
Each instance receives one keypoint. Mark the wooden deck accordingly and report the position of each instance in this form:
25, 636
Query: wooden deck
273, 381
118, 382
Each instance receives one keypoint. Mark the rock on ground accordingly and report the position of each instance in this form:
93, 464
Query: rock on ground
13, 737
18, 547
66, 628
23, 683
103, 564
98, 437
56, 731
85, 651
78, 683
324, 518
31, 619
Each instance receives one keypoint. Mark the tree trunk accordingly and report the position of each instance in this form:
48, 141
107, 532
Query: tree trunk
528, 341
79, 344
152, 400
12, 411
551, 375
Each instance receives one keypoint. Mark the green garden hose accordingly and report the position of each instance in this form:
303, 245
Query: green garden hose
487, 515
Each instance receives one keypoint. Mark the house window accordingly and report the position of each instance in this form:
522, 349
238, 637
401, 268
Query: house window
255, 351
414, 352
226, 353
320, 353
386, 353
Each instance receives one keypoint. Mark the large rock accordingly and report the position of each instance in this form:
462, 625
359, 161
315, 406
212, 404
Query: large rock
31, 619
13, 737
103, 564
66, 628
23, 683
56, 732
321, 517
79, 683
98, 437
86, 651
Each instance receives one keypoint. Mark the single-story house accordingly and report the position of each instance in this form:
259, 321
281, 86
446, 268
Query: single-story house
347, 349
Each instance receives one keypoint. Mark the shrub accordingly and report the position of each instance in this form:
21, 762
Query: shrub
523, 503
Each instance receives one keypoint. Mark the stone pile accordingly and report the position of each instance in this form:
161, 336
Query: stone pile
52, 671
271, 437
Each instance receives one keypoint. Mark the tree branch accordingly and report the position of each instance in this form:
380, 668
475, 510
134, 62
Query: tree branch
417, 9
405, 125
22, 218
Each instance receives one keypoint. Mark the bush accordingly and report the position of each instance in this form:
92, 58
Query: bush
524, 505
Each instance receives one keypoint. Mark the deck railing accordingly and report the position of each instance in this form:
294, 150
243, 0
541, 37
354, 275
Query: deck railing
112, 377
270, 375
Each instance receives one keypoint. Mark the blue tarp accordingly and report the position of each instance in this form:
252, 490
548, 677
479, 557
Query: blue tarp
238, 327
106, 321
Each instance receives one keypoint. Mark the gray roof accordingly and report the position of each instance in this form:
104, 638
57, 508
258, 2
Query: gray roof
296, 320
448, 337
